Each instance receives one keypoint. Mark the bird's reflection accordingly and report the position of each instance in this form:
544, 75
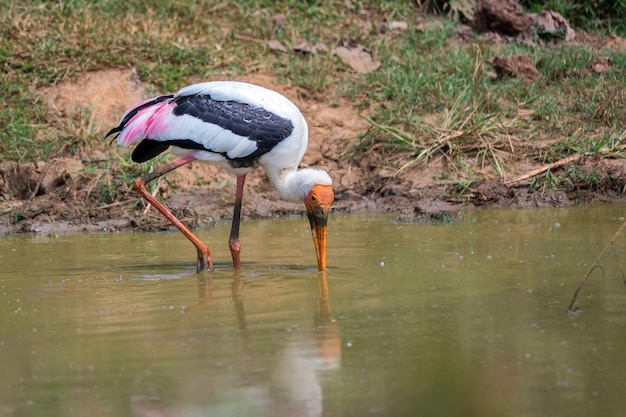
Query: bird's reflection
237, 295
294, 380
205, 286
291, 384
325, 329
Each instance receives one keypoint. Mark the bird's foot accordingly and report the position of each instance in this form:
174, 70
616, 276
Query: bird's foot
235, 252
204, 260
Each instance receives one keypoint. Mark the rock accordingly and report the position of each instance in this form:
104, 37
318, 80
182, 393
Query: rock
502, 16
515, 66
552, 25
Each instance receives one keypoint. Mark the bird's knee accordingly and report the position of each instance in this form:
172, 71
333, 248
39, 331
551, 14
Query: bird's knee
235, 246
139, 184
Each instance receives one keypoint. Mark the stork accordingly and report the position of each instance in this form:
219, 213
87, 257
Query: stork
238, 127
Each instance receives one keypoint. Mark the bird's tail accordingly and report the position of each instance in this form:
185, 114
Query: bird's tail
130, 114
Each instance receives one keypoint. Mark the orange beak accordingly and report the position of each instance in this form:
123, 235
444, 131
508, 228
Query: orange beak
318, 203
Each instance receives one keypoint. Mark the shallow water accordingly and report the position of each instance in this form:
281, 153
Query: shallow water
460, 319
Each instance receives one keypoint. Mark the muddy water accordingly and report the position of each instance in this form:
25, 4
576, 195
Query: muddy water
460, 319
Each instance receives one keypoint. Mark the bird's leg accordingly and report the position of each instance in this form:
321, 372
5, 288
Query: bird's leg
204, 255
233, 242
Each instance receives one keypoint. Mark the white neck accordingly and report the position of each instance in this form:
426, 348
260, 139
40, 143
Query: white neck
295, 185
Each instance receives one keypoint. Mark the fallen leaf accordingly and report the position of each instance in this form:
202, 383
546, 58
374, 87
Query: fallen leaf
357, 57
306, 48
302, 47
275, 45
601, 65
398, 25
319, 47
525, 114
278, 20
397, 60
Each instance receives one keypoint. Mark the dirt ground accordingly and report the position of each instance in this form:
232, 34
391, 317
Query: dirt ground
60, 195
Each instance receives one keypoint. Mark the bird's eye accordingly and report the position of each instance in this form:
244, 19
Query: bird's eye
313, 197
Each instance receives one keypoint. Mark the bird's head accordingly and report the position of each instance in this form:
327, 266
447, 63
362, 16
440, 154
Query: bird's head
318, 202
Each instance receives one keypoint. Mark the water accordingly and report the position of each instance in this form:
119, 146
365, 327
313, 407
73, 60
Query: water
460, 319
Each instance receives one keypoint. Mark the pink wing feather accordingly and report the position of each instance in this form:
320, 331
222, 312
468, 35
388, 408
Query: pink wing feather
147, 118
148, 122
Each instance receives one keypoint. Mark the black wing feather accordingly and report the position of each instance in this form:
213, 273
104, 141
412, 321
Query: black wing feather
257, 124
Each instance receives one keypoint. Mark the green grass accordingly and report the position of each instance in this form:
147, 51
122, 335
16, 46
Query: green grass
605, 15
431, 96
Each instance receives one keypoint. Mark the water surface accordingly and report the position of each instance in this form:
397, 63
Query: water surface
412, 319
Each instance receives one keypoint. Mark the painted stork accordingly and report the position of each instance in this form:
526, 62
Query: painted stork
238, 127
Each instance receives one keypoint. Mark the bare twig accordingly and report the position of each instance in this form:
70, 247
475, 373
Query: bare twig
535, 172
119, 203
248, 38
34, 192
595, 265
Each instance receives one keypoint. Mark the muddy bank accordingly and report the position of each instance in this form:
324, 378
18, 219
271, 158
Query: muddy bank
64, 195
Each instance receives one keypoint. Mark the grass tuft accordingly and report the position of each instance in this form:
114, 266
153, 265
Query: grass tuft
470, 127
